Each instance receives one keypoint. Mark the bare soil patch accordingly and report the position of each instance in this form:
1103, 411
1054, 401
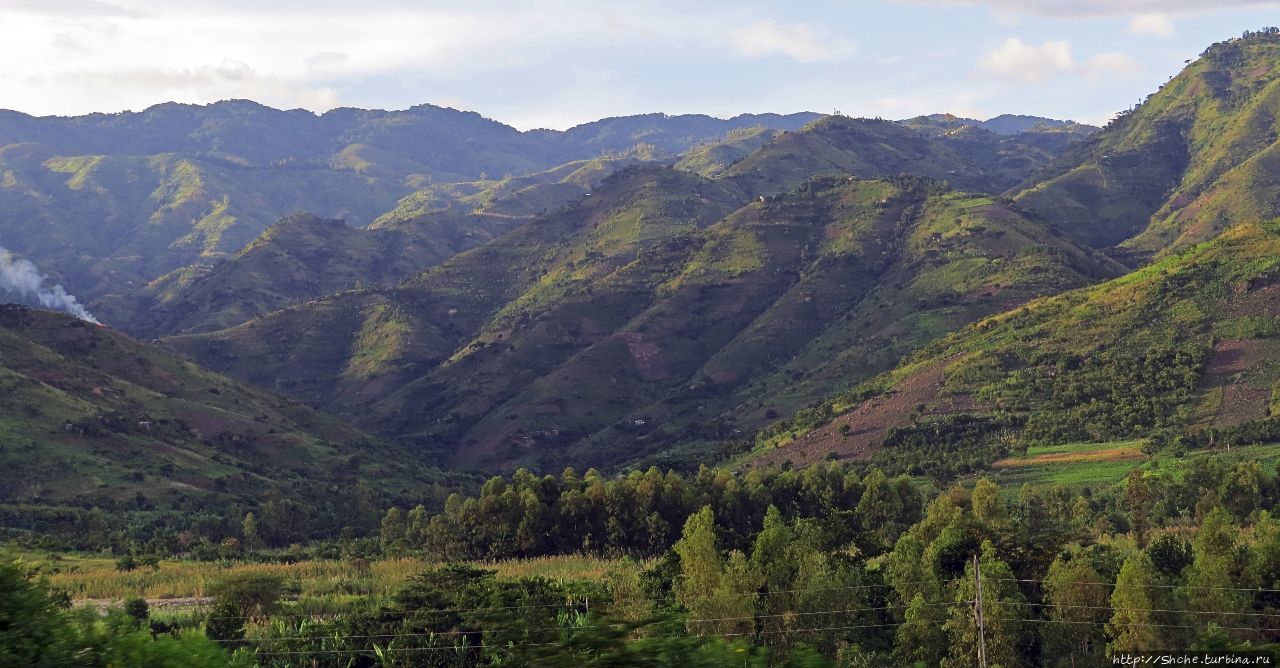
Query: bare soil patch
1241, 371
870, 422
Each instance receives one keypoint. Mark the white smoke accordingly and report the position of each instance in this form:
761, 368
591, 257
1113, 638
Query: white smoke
18, 275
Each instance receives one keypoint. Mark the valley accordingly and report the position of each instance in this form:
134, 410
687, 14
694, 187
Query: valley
419, 388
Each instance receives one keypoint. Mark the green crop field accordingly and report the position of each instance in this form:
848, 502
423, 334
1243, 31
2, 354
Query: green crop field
1100, 464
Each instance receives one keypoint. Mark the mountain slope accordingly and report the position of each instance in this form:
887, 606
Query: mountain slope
1189, 342
633, 308
90, 416
107, 224
358, 346
1194, 159
980, 161
303, 257
107, 203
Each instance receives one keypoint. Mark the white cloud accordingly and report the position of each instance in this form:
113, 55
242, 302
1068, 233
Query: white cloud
76, 8
796, 41
82, 56
1110, 66
1152, 24
1020, 61
186, 53
226, 80
1016, 60
1095, 8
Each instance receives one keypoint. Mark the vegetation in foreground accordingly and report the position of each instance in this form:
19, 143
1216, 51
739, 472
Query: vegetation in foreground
828, 566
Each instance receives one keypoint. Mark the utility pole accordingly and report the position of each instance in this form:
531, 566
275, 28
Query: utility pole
977, 612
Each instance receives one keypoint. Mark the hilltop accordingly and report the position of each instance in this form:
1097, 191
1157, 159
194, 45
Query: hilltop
108, 203
1195, 158
1180, 350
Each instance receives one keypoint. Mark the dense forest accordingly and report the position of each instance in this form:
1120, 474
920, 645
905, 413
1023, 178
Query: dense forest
821, 567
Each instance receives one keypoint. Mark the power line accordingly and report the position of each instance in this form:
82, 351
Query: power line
513, 645
1163, 586
1162, 626
1107, 607
356, 650
825, 628
593, 626
559, 605
567, 606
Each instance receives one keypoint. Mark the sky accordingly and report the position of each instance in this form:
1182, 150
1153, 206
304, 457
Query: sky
557, 63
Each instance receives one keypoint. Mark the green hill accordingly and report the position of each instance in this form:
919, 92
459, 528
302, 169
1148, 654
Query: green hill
108, 203
649, 311
714, 158
300, 258
106, 225
979, 161
373, 340
1185, 344
1194, 159
91, 417
1178, 351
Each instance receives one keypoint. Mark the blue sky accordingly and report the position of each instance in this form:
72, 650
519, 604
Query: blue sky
556, 63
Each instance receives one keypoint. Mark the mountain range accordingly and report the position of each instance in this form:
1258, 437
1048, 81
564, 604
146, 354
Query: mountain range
429, 285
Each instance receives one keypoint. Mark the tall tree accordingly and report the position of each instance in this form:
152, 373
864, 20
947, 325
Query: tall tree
249, 532
1212, 586
700, 564
393, 530
1003, 609
1077, 599
919, 640
1138, 501
1134, 624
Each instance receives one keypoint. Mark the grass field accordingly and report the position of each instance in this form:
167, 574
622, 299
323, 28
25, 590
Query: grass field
1101, 464
315, 583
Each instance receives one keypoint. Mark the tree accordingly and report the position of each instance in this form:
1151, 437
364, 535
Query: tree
33, 624
700, 563
879, 509
1138, 500
1211, 579
251, 595
137, 610
1078, 600
393, 531
1263, 566
94, 529
734, 600
1003, 606
919, 640
1132, 625
1169, 554
987, 506
417, 526
249, 532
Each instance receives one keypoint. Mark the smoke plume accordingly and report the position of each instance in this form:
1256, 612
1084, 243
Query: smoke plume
19, 276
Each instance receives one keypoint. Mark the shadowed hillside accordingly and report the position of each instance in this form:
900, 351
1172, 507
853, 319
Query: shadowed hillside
1185, 344
117, 422
644, 305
